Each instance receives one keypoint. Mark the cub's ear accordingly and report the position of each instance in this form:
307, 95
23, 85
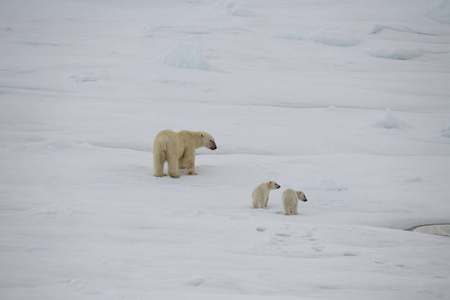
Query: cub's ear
270, 182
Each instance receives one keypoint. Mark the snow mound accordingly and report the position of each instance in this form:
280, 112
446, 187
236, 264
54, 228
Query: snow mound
199, 212
149, 30
446, 131
414, 179
240, 11
441, 13
321, 36
398, 54
390, 121
187, 56
327, 185
236, 8
379, 28
86, 77
56, 144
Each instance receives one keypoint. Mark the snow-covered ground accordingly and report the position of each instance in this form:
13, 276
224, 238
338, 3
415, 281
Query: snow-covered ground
348, 101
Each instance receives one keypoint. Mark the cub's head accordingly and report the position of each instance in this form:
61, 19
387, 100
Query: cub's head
208, 141
301, 196
273, 185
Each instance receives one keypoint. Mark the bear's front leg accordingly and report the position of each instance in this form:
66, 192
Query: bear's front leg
189, 162
190, 169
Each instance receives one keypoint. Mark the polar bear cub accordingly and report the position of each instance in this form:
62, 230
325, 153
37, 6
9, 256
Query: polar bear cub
290, 201
260, 195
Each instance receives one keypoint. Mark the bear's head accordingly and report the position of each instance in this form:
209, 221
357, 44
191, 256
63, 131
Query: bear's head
273, 185
208, 141
301, 196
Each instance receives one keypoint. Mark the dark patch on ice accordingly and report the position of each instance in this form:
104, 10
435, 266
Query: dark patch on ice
283, 234
442, 229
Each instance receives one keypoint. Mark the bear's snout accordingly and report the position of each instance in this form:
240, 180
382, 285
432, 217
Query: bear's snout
278, 186
305, 200
213, 145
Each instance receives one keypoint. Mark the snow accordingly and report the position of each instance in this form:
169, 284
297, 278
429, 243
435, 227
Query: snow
390, 121
322, 37
441, 12
439, 229
347, 101
187, 56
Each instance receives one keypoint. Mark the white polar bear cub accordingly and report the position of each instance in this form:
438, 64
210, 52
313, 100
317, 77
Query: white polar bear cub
260, 195
290, 201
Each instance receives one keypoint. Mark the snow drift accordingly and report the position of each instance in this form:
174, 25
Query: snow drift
187, 56
390, 121
441, 13
330, 38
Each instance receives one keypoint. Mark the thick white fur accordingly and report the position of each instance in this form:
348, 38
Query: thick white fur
290, 201
260, 195
178, 149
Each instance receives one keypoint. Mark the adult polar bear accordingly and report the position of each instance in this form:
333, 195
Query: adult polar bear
178, 149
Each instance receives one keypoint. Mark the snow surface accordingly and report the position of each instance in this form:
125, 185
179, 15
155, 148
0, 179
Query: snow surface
348, 101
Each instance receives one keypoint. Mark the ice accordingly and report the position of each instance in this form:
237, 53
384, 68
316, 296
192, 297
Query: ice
380, 28
446, 131
347, 101
441, 13
240, 11
399, 54
188, 56
321, 36
390, 121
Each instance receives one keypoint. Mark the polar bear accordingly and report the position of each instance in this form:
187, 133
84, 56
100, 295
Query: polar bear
290, 201
260, 195
178, 149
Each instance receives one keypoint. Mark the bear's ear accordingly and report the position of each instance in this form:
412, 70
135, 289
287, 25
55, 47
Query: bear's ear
270, 182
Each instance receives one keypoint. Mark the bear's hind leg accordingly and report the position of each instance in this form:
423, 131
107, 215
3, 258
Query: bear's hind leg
258, 203
173, 167
266, 201
159, 158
